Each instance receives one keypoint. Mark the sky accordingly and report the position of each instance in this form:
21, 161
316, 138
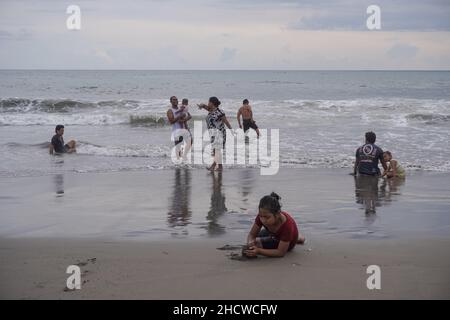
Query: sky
225, 34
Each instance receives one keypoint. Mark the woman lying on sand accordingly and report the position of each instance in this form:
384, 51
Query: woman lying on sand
280, 233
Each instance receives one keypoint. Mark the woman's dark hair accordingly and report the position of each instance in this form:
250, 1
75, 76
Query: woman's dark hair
371, 137
214, 101
271, 203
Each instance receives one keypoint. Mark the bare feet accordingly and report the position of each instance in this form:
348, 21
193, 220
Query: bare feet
301, 240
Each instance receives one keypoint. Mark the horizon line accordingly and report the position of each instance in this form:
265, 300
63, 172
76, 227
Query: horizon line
50, 69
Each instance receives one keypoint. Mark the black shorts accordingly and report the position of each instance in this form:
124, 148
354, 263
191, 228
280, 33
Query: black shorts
249, 124
267, 240
179, 140
374, 174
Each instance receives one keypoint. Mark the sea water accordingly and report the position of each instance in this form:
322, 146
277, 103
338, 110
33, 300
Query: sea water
119, 119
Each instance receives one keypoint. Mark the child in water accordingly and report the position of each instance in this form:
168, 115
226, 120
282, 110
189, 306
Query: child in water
185, 117
394, 168
280, 233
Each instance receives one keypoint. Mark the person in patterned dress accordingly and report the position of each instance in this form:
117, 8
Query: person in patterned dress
216, 121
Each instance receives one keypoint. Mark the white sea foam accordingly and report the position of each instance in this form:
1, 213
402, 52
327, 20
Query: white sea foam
313, 133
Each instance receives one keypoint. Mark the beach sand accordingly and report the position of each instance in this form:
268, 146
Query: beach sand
179, 269
155, 234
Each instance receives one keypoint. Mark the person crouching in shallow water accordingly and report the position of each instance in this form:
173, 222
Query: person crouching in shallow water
368, 156
57, 144
280, 233
216, 121
394, 168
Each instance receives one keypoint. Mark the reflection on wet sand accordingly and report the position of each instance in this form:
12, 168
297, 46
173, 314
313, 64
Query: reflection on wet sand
179, 208
59, 184
390, 188
247, 182
371, 195
217, 207
58, 179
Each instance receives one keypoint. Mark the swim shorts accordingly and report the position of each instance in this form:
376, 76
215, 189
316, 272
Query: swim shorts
248, 123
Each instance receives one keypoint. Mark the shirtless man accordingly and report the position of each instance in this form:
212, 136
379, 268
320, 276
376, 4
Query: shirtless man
247, 116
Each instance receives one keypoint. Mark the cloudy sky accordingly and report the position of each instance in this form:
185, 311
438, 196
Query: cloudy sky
225, 34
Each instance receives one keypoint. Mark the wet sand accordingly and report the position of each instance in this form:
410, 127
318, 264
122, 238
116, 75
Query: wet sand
155, 234
179, 269
184, 203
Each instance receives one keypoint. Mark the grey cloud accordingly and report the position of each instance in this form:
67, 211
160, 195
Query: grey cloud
402, 15
412, 15
402, 51
329, 21
20, 35
228, 54
5, 35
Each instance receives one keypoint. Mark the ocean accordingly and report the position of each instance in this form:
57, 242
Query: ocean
119, 117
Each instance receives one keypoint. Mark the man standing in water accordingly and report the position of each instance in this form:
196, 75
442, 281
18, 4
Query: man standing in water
367, 157
178, 121
247, 117
57, 145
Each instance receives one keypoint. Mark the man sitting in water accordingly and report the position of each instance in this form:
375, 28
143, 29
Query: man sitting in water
367, 157
57, 145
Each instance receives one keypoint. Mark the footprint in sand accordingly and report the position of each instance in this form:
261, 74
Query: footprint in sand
84, 263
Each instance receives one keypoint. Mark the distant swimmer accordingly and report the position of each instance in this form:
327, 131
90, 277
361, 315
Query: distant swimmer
247, 117
57, 144
368, 156
394, 168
